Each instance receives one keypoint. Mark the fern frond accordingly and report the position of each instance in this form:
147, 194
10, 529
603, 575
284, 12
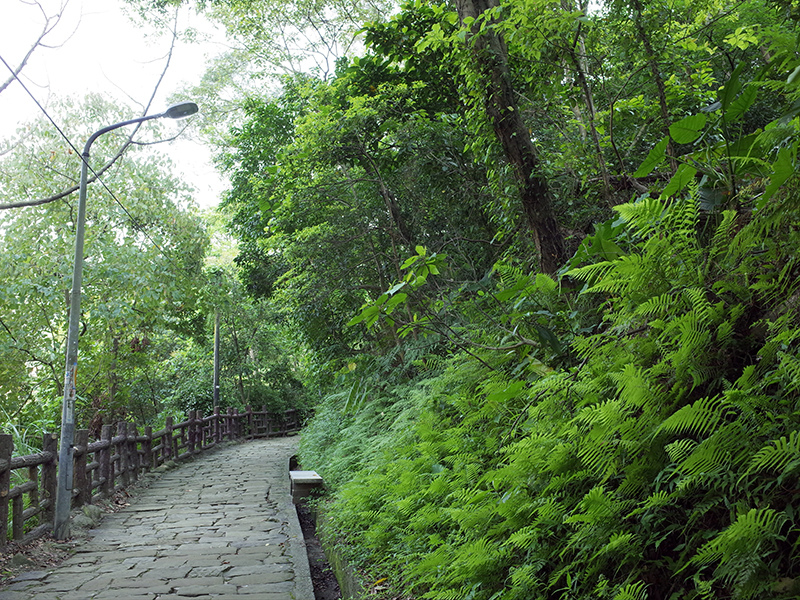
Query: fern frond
779, 456
724, 332
525, 576
721, 242
589, 273
636, 387
658, 306
700, 304
524, 538
595, 506
789, 367
627, 271
642, 215
632, 591
618, 541
598, 457
742, 550
698, 419
656, 499
510, 275
680, 450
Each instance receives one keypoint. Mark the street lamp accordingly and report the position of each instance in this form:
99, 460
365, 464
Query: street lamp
65, 464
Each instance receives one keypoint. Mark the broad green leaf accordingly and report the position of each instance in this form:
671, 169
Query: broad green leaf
793, 75
654, 158
410, 261
687, 129
679, 181
392, 304
397, 287
739, 106
732, 88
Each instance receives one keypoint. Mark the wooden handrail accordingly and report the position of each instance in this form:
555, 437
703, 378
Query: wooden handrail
105, 466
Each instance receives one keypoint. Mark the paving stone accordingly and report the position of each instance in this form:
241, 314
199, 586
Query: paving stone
262, 578
210, 571
260, 569
129, 595
267, 588
12, 595
205, 590
31, 576
197, 581
202, 531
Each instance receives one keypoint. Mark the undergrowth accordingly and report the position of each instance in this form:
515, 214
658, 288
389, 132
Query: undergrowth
657, 456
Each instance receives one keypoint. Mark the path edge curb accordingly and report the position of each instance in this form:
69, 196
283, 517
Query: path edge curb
303, 586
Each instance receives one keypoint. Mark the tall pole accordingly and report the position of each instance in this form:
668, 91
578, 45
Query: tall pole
65, 463
216, 359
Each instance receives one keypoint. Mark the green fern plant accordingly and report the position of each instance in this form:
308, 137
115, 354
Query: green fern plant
739, 551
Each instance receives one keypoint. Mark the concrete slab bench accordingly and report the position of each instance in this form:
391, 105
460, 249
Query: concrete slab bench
303, 482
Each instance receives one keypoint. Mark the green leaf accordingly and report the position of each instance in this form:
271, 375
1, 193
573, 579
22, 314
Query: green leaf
396, 288
732, 88
654, 158
687, 129
739, 106
782, 169
392, 304
793, 75
410, 261
683, 176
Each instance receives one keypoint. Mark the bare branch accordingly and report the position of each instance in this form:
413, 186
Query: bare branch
50, 23
97, 173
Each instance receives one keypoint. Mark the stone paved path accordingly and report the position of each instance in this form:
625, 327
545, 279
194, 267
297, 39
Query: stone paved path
219, 527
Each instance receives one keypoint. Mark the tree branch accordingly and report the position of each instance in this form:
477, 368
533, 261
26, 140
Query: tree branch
50, 24
128, 142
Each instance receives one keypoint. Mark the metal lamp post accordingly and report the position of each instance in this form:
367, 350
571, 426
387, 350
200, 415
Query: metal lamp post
65, 463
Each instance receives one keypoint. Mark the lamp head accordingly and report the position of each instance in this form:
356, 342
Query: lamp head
181, 110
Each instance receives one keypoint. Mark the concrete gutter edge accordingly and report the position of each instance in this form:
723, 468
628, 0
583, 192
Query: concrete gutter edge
281, 495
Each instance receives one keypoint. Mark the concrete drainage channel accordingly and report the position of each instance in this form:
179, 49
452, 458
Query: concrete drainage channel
303, 485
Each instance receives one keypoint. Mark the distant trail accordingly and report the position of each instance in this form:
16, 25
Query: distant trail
203, 531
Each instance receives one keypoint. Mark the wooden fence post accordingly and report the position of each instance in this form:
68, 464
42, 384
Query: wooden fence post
6, 450
79, 483
229, 424
250, 431
176, 443
122, 453
190, 438
106, 466
267, 421
166, 441
147, 446
133, 451
49, 444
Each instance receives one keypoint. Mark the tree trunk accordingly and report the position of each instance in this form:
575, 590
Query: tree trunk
581, 69
652, 62
491, 61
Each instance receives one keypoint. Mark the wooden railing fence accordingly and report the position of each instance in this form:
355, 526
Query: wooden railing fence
116, 460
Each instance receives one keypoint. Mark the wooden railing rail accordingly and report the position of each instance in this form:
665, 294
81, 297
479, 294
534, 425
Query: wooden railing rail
114, 462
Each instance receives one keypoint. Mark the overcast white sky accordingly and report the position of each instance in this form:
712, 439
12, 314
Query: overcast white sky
101, 50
